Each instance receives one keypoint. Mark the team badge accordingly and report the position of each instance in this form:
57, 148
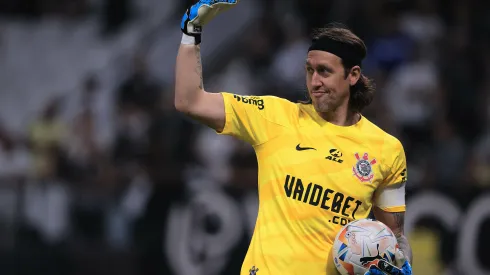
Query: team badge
363, 169
253, 270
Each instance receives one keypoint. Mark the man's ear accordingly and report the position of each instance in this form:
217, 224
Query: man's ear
354, 75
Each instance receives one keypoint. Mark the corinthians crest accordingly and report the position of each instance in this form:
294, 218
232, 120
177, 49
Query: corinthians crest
363, 169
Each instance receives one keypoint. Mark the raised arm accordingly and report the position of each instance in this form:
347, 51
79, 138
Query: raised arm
190, 97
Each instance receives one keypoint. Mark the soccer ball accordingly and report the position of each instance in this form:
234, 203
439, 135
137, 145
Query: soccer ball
362, 243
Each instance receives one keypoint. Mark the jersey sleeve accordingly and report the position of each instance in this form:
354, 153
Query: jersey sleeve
255, 119
390, 196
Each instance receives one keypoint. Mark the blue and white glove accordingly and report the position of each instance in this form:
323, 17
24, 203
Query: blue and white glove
385, 268
200, 14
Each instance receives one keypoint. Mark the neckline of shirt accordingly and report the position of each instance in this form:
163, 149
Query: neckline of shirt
324, 123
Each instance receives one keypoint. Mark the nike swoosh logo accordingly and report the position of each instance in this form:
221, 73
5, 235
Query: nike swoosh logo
299, 148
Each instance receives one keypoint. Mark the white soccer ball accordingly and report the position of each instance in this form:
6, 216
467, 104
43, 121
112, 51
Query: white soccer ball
362, 243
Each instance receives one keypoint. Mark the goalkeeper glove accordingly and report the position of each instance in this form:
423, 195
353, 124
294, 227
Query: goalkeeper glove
385, 268
200, 14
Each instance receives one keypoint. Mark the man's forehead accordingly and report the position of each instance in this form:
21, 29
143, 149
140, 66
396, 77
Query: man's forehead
322, 57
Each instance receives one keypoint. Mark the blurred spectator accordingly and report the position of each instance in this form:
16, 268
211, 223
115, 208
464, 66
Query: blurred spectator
66, 9
140, 90
412, 94
314, 12
47, 137
449, 155
116, 14
137, 97
390, 47
481, 161
289, 64
170, 135
244, 163
15, 159
90, 132
214, 153
424, 25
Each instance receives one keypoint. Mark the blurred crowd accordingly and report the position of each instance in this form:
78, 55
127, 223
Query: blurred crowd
430, 63
96, 169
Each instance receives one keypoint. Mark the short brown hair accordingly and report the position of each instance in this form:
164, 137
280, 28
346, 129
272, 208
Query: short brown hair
362, 93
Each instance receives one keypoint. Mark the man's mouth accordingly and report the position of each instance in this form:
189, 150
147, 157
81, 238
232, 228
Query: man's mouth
318, 93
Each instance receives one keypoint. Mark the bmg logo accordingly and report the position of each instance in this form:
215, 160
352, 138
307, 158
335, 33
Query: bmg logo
253, 100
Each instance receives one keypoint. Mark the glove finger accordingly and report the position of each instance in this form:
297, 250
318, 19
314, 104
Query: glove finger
224, 5
201, 15
229, 3
202, 12
407, 268
185, 19
194, 12
389, 268
400, 258
213, 2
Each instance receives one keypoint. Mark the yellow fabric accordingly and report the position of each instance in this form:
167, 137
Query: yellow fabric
306, 195
45, 135
394, 209
425, 246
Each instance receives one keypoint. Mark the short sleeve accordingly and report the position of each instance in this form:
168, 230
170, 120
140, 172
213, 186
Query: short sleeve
255, 119
398, 172
390, 196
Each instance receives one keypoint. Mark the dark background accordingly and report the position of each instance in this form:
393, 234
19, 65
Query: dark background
99, 174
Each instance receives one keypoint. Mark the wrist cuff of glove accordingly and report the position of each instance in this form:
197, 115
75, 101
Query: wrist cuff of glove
193, 37
189, 40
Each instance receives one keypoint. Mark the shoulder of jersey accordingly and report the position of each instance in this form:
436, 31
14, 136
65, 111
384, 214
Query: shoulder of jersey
280, 109
375, 130
278, 100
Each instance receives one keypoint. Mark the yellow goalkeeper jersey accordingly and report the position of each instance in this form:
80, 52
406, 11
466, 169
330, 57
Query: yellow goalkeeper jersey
313, 178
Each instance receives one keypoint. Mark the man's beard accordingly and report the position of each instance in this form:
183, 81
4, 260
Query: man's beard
328, 103
323, 106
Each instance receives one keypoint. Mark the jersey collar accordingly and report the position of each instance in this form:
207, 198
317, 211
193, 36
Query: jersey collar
309, 113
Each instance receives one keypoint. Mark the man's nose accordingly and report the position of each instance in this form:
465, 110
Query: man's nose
315, 80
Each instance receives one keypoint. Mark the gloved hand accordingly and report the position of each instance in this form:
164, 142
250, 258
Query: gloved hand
385, 268
200, 14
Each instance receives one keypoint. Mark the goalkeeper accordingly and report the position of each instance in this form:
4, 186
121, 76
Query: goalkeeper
321, 163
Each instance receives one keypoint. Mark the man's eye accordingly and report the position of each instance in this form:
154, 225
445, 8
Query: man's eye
310, 70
